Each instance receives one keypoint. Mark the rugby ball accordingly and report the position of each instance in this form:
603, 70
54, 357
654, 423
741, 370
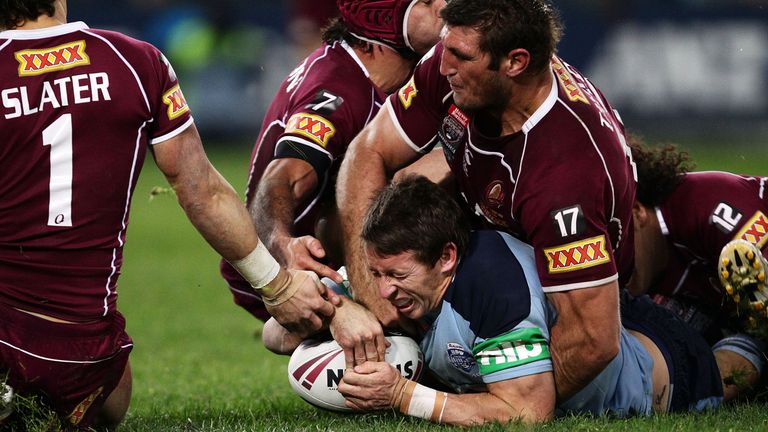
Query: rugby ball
317, 366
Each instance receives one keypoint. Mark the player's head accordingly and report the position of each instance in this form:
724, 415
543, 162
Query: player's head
416, 215
14, 13
503, 25
414, 234
410, 27
659, 170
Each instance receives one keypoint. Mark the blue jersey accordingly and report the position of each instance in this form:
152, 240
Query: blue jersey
494, 323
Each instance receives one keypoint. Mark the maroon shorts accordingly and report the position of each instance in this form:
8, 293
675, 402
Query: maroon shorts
243, 293
73, 367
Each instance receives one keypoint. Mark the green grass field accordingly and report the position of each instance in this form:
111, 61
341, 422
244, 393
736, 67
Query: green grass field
198, 366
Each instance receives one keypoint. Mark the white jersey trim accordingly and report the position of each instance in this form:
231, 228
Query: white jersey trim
278, 123
122, 347
662, 222
354, 56
579, 285
44, 32
545, 107
400, 130
173, 133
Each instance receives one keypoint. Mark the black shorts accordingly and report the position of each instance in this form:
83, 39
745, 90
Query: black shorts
693, 370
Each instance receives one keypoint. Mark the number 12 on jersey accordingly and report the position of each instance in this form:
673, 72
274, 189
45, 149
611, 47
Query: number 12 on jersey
59, 136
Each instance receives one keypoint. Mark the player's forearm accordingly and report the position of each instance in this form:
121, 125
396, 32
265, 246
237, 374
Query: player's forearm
272, 211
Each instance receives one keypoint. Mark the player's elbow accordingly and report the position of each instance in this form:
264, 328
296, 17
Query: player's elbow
600, 350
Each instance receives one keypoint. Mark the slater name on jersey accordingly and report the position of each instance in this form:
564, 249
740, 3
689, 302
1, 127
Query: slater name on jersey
75, 89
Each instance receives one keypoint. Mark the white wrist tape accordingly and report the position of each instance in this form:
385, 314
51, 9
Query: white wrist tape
423, 402
259, 267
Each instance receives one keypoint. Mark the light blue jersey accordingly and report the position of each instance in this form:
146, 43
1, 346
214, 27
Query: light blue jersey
494, 323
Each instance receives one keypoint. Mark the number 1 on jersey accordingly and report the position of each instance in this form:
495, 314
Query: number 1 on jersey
59, 136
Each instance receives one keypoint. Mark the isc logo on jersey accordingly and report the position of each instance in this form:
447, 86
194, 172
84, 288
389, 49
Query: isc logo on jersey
312, 126
577, 255
40, 61
177, 104
755, 230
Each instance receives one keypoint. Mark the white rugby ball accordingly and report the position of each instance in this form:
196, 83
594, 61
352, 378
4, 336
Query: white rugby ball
317, 366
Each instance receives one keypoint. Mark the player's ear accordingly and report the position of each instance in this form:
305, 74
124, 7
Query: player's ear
449, 258
640, 214
516, 62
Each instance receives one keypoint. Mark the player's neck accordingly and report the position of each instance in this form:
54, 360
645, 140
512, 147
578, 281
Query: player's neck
386, 68
529, 94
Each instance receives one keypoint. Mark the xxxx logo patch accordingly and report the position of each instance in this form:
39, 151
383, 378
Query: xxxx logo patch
312, 126
566, 81
755, 230
177, 104
40, 61
407, 93
577, 255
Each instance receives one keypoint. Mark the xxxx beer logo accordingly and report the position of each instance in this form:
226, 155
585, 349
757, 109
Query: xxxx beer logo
407, 93
577, 255
312, 126
755, 230
177, 104
566, 81
40, 61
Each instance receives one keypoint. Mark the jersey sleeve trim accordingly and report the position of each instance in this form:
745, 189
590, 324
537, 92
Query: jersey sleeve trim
511, 350
662, 222
302, 142
400, 130
580, 285
173, 133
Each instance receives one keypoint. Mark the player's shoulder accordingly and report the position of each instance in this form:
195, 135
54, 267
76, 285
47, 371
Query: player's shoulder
491, 288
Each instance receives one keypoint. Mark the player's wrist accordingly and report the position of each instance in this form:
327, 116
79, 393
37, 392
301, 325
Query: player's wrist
420, 401
259, 267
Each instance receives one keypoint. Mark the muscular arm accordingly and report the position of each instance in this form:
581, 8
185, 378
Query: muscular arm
377, 386
374, 155
586, 336
215, 209
285, 184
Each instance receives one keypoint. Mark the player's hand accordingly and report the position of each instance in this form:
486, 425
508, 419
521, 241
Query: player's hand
372, 386
359, 333
302, 253
307, 307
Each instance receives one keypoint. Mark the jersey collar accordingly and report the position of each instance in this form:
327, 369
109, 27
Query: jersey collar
545, 107
354, 56
44, 32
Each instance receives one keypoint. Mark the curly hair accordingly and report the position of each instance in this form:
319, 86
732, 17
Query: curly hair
504, 25
14, 13
659, 170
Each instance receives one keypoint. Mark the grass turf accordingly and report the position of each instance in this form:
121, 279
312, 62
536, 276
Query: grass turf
198, 365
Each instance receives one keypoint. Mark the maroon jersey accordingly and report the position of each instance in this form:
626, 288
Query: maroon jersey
564, 183
79, 107
318, 110
704, 212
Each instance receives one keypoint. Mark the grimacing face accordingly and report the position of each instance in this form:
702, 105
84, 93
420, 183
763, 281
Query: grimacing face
424, 25
474, 85
413, 288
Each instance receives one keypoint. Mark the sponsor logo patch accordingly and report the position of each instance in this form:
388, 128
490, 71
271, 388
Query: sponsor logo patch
79, 412
40, 61
516, 348
452, 131
407, 93
459, 358
566, 81
312, 126
177, 104
755, 230
577, 255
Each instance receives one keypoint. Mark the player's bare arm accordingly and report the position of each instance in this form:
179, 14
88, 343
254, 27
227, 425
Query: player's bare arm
286, 183
378, 386
586, 337
295, 298
372, 158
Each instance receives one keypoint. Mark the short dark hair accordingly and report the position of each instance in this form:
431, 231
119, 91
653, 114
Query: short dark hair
508, 24
337, 31
660, 170
14, 13
415, 215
